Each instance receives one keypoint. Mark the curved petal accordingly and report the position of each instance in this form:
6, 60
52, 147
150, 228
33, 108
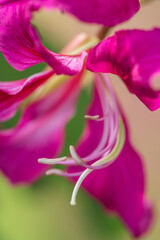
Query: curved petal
13, 93
21, 46
35, 4
40, 133
120, 186
134, 55
106, 12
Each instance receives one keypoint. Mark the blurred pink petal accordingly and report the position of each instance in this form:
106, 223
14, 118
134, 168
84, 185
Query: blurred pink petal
36, 4
40, 133
134, 55
13, 93
106, 12
21, 46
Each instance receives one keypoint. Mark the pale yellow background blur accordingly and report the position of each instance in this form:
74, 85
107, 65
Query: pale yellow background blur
144, 125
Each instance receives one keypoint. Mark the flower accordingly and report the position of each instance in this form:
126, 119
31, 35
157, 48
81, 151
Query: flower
40, 133
104, 148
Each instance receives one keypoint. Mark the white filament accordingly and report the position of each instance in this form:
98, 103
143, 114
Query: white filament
52, 161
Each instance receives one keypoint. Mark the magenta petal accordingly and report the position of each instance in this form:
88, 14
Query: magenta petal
16, 36
134, 55
119, 187
13, 93
63, 64
39, 134
36, 4
21, 46
106, 12
6, 1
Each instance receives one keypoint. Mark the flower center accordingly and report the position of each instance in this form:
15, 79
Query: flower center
110, 144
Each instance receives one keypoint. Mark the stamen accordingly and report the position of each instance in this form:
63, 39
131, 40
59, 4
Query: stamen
52, 161
95, 117
109, 146
112, 156
111, 125
111, 122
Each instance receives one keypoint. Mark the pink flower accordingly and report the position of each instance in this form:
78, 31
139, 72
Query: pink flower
104, 151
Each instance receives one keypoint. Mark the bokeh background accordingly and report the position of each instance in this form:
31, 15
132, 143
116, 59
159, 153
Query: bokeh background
42, 211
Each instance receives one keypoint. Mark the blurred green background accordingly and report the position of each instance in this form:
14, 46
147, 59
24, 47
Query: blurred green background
42, 211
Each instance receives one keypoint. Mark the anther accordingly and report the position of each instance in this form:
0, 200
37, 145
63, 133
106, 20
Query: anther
52, 161
54, 172
95, 117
